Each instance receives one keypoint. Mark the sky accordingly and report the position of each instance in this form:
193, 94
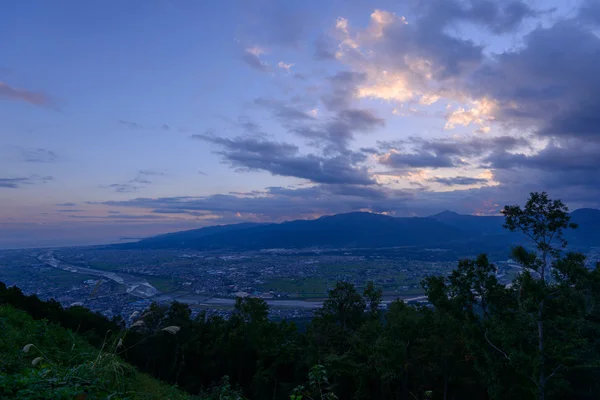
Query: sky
129, 119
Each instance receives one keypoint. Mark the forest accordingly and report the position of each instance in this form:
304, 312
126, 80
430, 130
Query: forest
538, 337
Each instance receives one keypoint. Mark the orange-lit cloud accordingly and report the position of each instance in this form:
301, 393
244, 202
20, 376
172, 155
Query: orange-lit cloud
36, 98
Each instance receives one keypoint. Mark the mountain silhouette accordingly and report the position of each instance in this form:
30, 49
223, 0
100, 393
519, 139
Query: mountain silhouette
366, 230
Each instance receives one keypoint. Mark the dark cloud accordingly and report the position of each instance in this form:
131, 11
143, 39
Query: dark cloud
369, 150
14, 183
69, 210
247, 124
337, 133
550, 84
149, 172
136, 126
66, 204
130, 124
472, 146
118, 217
35, 98
254, 61
171, 211
589, 12
255, 154
299, 76
343, 87
277, 203
139, 179
448, 57
123, 187
275, 23
420, 159
324, 48
39, 155
499, 16
282, 111
563, 155
459, 180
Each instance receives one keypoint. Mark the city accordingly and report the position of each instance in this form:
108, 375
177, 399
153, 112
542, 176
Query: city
292, 282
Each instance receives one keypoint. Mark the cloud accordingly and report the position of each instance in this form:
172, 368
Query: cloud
498, 16
274, 23
14, 183
66, 204
171, 211
149, 172
39, 155
284, 159
124, 187
421, 159
130, 124
251, 56
324, 48
136, 126
35, 98
338, 131
117, 217
548, 84
589, 12
459, 180
278, 203
284, 112
344, 86
69, 210
139, 179
285, 66
466, 146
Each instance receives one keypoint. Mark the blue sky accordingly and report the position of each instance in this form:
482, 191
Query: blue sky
122, 119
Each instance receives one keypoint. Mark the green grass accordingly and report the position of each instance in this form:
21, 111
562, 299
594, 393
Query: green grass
305, 287
163, 284
60, 365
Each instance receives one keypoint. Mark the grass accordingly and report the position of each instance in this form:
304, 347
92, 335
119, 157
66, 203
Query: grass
305, 287
57, 364
163, 284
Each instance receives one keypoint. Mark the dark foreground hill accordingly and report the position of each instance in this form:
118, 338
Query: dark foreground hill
366, 230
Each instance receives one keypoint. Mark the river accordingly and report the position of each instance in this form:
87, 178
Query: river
136, 286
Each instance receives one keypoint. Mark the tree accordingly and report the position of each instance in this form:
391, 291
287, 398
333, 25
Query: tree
543, 221
373, 299
345, 305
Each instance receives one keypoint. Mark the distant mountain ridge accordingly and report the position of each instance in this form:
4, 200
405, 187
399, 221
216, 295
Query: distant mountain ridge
364, 230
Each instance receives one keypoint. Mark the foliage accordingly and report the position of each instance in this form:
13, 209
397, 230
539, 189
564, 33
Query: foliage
39, 360
476, 338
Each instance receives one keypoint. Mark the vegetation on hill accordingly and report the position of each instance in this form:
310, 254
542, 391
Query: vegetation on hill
478, 339
41, 360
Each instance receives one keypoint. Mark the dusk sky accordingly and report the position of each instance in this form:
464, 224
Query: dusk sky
131, 118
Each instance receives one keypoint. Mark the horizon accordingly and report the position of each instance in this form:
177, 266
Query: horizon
148, 117
133, 239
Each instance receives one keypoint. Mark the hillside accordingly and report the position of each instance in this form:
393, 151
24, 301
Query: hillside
367, 230
40, 360
342, 230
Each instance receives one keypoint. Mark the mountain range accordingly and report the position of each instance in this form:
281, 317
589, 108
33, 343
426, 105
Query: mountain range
366, 230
